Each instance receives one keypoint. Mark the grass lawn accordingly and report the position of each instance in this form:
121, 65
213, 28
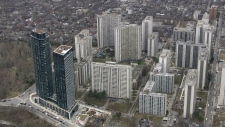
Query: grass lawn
178, 79
154, 119
202, 94
79, 94
13, 94
120, 107
102, 60
93, 101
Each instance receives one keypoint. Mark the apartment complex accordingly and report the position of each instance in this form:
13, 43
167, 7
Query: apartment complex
114, 79
83, 48
202, 68
184, 33
147, 28
105, 29
152, 103
187, 54
190, 87
127, 42
152, 44
200, 28
164, 81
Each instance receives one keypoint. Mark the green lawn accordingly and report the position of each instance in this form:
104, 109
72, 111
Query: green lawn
120, 107
154, 119
79, 94
93, 101
202, 94
178, 79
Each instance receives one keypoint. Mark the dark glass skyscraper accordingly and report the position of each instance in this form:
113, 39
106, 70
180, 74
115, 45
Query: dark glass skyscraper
42, 63
64, 76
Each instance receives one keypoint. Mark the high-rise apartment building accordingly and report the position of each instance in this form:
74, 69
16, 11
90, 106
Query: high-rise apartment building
127, 42
147, 28
114, 79
83, 48
152, 45
200, 27
150, 102
190, 93
164, 59
83, 45
202, 68
105, 29
42, 63
184, 33
187, 54
208, 33
164, 81
64, 76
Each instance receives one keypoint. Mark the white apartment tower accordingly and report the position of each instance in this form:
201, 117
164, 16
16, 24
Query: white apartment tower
152, 45
105, 29
83, 51
190, 93
83, 45
200, 27
208, 39
164, 81
114, 79
127, 42
164, 59
152, 103
202, 68
147, 28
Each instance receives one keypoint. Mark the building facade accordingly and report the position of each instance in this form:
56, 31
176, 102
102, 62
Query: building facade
105, 29
202, 68
164, 59
152, 103
64, 76
42, 63
147, 28
152, 45
187, 54
200, 27
83, 45
164, 81
114, 79
185, 34
190, 93
208, 34
127, 43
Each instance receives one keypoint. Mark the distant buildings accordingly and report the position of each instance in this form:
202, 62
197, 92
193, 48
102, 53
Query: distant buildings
151, 102
42, 63
83, 48
202, 68
187, 54
164, 81
190, 93
152, 44
114, 79
164, 59
147, 28
213, 11
64, 76
105, 29
127, 42
184, 33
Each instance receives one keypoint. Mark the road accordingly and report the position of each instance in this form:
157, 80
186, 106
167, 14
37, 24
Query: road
212, 91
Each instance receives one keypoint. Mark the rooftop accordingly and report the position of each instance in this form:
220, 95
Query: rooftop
191, 78
165, 53
148, 18
39, 31
82, 117
62, 49
203, 54
149, 87
153, 35
157, 68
